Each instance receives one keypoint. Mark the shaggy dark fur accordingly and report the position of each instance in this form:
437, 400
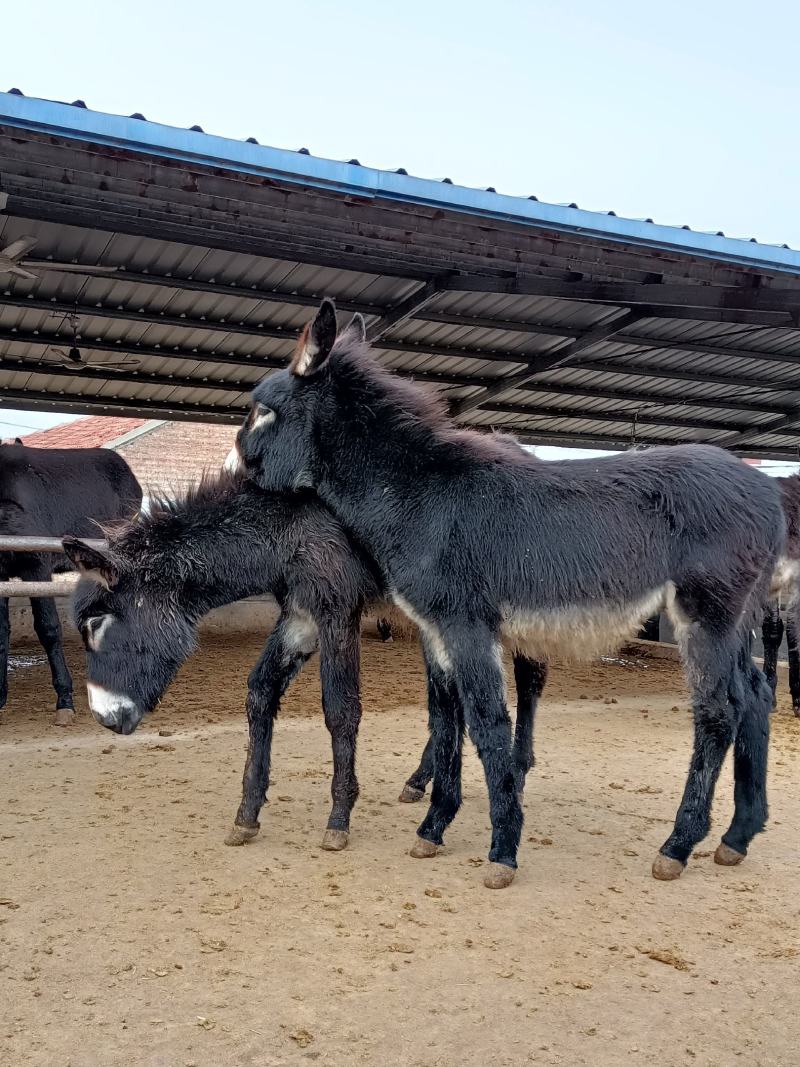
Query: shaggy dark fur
140, 603
476, 540
50, 492
787, 599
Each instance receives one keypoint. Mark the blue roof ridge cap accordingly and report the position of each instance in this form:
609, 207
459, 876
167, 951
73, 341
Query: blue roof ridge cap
210, 150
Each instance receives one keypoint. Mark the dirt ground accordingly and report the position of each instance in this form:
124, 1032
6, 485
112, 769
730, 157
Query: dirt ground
129, 934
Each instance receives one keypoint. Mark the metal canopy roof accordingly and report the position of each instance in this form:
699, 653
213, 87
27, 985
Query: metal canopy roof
191, 261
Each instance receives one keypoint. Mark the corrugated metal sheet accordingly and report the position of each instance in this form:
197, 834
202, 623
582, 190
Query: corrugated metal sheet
194, 325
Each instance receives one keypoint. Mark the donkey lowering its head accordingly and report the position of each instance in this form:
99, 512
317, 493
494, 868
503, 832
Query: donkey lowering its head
479, 544
138, 605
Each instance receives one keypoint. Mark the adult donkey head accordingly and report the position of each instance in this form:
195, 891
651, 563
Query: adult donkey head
333, 406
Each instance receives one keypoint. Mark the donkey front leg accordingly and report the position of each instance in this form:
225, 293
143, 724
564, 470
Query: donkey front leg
48, 629
284, 655
341, 704
5, 631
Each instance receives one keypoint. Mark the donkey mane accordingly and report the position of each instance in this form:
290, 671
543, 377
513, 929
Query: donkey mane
402, 402
166, 510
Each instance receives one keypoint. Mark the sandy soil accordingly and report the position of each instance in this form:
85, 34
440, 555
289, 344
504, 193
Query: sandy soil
130, 935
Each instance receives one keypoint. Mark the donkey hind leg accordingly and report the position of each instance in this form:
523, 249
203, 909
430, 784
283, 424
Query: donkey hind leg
341, 704
447, 734
284, 655
416, 784
793, 655
438, 698
4, 638
48, 629
477, 669
714, 666
530, 677
772, 635
750, 750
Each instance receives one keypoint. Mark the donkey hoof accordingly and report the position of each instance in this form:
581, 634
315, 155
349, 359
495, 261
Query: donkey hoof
726, 856
498, 876
240, 835
64, 717
424, 849
410, 794
667, 869
335, 840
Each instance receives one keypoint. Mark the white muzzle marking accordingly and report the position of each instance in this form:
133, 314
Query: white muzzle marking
108, 708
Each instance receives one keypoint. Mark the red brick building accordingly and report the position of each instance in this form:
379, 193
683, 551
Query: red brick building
163, 455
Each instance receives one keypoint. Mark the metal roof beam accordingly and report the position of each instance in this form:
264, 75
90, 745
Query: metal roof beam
597, 391
280, 333
98, 372
311, 301
157, 318
562, 356
561, 439
406, 309
111, 375
555, 411
781, 301
242, 360
25, 399
788, 421
670, 374
197, 285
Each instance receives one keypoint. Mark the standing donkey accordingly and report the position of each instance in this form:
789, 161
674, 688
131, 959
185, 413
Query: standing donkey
49, 492
139, 603
786, 593
479, 544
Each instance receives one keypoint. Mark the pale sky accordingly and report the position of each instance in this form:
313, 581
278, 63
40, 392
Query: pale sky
685, 112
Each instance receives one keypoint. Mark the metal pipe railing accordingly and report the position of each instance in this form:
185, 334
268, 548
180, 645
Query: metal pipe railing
17, 587
12, 543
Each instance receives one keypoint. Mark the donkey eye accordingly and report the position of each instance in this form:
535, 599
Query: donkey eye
93, 630
262, 416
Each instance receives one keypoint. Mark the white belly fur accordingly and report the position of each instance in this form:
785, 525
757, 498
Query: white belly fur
578, 633
785, 579
573, 634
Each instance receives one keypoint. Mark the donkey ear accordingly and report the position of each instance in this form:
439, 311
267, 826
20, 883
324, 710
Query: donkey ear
355, 330
90, 563
316, 342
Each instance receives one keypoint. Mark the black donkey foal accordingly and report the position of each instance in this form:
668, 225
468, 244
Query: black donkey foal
138, 605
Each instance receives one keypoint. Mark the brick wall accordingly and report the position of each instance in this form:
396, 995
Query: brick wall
171, 455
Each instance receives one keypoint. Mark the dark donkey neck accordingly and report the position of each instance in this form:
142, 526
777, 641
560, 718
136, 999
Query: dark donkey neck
407, 454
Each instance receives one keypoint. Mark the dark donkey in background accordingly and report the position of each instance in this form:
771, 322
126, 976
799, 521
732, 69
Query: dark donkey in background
50, 492
140, 603
478, 544
786, 587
